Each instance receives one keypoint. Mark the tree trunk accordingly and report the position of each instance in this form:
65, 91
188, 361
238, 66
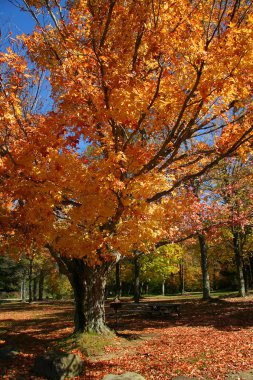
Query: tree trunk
23, 295
88, 284
239, 263
214, 277
30, 280
163, 288
35, 289
251, 270
204, 267
118, 284
41, 285
147, 288
137, 279
89, 294
182, 276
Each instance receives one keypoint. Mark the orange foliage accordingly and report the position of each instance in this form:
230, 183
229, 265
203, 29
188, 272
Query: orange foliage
158, 91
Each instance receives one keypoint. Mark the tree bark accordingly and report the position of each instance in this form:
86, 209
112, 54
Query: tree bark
89, 292
182, 277
23, 295
41, 285
30, 280
136, 279
239, 264
251, 270
35, 289
204, 267
88, 284
163, 288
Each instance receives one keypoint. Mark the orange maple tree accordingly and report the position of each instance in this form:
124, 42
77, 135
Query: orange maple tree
156, 92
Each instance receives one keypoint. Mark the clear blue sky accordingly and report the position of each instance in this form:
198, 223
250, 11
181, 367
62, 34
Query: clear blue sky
13, 19
18, 22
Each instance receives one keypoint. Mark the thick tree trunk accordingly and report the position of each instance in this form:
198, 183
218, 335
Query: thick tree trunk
204, 267
41, 285
137, 279
89, 292
239, 264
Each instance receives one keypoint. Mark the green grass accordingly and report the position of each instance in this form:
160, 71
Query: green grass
91, 344
192, 295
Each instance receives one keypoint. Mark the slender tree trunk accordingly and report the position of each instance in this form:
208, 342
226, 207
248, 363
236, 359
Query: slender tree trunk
249, 273
137, 279
246, 276
23, 295
41, 285
239, 263
214, 278
147, 288
118, 284
163, 288
35, 288
30, 280
182, 276
204, 267
251, 270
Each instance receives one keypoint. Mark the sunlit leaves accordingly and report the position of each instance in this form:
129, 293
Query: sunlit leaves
153, 93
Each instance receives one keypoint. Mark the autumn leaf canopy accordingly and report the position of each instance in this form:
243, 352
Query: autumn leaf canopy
146, 96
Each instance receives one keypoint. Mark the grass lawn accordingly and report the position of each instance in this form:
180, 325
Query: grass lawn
207, 340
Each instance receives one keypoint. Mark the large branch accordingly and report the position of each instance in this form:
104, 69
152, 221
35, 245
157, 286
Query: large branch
244, 138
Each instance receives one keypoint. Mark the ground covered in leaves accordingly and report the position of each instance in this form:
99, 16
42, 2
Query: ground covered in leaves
208, 340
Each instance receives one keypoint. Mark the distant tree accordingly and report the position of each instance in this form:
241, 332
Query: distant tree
161, 264
10, 275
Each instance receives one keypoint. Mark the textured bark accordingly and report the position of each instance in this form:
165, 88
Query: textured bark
88, 284
239, 263
89, 292
204, 267
137, 279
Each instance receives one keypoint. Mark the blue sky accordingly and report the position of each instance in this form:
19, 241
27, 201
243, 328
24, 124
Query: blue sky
18, 22
13, 19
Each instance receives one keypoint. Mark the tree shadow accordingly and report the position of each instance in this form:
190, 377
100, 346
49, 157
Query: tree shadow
221, 314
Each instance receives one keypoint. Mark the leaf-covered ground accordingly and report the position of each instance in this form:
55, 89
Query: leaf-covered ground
208, 340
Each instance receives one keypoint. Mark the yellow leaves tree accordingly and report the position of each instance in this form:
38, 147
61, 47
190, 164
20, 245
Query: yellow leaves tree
156, 93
